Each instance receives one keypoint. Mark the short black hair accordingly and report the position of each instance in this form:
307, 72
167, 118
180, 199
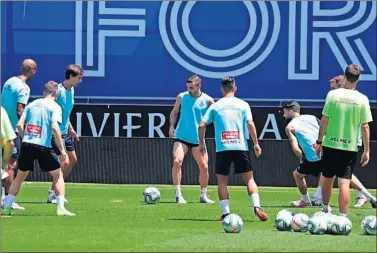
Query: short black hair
292, 105
194, 78
72, 70
228, 83
352, 73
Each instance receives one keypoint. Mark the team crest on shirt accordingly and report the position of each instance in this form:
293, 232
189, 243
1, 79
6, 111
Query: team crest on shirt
201, 104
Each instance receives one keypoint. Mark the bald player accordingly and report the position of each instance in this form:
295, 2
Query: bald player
15, 96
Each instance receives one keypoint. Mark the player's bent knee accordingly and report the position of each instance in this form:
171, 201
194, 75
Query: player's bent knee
177, 162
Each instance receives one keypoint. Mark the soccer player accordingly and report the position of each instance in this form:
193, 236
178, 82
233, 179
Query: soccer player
15, 96
344, 111
37, 125
191, 105
230, 116
361, 199
302, 132
65, 99
7, 136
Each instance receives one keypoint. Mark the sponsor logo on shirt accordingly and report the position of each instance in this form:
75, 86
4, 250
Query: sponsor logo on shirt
229, 137
335, 139
33, 130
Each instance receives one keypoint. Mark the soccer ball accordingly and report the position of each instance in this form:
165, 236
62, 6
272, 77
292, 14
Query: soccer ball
283, 221
368, 225
285, 211
341, 226
151, 195
317, 225
319, 214
330, 219
232, 223
299, 222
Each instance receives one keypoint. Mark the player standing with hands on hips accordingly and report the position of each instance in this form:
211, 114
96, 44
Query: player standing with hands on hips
230, 116
345, 111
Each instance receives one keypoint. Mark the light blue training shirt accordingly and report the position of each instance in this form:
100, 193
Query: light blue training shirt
229, 116
65, 99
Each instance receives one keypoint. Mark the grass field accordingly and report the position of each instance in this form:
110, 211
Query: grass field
114, 218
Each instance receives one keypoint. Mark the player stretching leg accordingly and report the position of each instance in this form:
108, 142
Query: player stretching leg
192, 106
65, 99
344, 111
40, 120
302, 131
230, 115
15, 96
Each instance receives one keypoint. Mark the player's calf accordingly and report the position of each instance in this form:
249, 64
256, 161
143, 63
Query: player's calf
58, 181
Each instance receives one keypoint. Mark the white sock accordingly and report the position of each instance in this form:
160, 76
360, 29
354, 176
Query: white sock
343, 214
225, 206
60, 201
325, 208
255, 199
318, 193
359, 194
9, 199
2, 194
366, 194
203, 192
177, 189
305, 198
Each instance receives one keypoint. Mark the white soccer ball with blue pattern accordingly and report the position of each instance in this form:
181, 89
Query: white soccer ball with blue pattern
232, 223
151, 195
317, 225
299, 222
283, 220
368, 225
341, 226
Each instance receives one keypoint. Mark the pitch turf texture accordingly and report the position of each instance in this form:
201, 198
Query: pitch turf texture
114, 218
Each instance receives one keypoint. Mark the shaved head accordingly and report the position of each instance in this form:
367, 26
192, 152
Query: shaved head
28, 68
337, 82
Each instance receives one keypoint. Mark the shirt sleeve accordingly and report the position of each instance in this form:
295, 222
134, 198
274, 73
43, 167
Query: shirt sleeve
7, 132
366, 114
208, 117
23, 96
328, 105
247, 113
57, 114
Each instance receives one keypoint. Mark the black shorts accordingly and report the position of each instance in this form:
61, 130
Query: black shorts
336, 162
17, 147
68, 141
47, 158
240, 159
188, 144
310, 168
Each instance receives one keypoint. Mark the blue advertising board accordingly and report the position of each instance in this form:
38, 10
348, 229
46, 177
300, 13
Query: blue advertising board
145, 50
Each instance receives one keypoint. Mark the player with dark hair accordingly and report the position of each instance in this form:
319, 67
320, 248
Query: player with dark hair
65, 99
15, 96
191, 105
345, 111
230, 116
36, 126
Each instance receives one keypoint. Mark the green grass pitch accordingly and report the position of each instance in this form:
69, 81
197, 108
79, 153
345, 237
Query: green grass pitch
114, 218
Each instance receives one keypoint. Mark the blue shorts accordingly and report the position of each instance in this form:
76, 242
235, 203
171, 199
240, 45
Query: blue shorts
68, 142
17, 147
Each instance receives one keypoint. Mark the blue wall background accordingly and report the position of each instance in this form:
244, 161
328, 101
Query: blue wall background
142, 56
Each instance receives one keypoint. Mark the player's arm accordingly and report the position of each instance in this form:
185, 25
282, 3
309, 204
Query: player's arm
326, 114
294, 143
174, 114
211, 101
22, 99
250, 125
366, 117
206, 120
21, 124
